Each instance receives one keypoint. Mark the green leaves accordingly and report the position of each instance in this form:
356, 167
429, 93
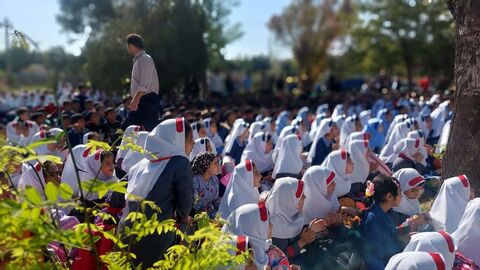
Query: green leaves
51, 192
102, 188
66, 192
33, 196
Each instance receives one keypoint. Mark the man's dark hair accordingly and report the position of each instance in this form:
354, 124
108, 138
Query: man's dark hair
76, 117
136, 40
22, 110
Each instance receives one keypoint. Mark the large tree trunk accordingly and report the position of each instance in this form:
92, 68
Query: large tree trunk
463, 148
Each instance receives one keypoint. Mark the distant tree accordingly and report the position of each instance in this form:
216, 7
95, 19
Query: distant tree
309, 27
463, 146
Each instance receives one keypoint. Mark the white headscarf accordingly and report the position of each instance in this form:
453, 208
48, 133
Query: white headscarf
322, 130
421, 120
364, 117
34, 178
289, 160
419, 135
398, 119
85, 137
357, 136
215, 138
282, 203
347, 128
316, 124
439, 242
238, 129
133, 157
255, 128
450, 203
361, 167
408, 179
12, 136
416, 261
255, 151
339, 109
318, 204
439, 117
336, 161
288, 130
400, 131
80, 153
165, 141
339, 120
93, 163
444, 137
240, 189
43, 149
467, 236
201, 146
252, 220
130, 132
408, 148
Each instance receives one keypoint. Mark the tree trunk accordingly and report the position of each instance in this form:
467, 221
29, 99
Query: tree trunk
463, 148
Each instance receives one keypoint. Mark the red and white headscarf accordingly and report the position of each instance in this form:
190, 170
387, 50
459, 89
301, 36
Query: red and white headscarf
282, 203
165, 141
400, 132
322, 130
131, 133
133, 157
93, 164
439, 242
33, 177
318, 204
240, 189
336, 162
289, 159
361, 167
408, 179
256, 151
450, 203
416, 261
467, 236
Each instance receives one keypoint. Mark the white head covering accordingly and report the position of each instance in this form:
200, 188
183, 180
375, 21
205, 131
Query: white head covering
33, 128
194, 127
467, 236
422, 124
43, 149
336, 161
439, 242
439, 117
444, 137
339, 120
357, 136
347, 128
400, 131
318, 204
288, 130
289, 160
85, 137
316, 123
408, 179
416, 261
339, 109
322, 130
282, 203
215, 138
240, 189
255, 128
450, 203
34, 178
133, 157
80, 153
364, 117
130, 132
361, 166
238, 129
201, 146
407, 148
93, 163
165, 141
252, 220
255, 151
398, 119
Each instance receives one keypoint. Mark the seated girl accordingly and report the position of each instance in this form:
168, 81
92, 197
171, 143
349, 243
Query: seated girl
205, 168
377, 229
198, 130
285, 204
341, 164
440, 242
242, 188
236, 141
450, 203
361, 166
408, 214
38, 175
409, 156
212, 133
374, 129
259, 150
202, 145
323, 142
416, 261
289, 161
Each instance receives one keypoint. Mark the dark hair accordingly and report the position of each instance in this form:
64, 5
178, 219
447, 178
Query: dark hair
105, 154
76, 117
383, 186
22, 110
135, 40
92, 134
188, 129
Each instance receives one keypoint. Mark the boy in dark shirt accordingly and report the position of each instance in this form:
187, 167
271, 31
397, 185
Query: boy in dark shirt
111, 126
75, 134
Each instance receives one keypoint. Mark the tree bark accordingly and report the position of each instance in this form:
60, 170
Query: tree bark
463, 148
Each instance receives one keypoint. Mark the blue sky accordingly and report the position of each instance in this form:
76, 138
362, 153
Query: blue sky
36, 18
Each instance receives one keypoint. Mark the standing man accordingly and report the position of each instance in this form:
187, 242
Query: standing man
144, 108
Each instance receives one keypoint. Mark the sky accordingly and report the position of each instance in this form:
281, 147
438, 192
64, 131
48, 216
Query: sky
37, 19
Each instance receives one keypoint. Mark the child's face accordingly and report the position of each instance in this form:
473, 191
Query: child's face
24, 116
349, 166
301, 202
213, 128
257, 177
214, 167
111, 116
202, 133
331, 188
414, 193
268, 147
80, 124
52, 174
108, 166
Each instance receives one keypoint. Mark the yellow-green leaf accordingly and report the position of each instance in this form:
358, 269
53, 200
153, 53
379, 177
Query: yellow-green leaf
33, 195
51, 191
66, 192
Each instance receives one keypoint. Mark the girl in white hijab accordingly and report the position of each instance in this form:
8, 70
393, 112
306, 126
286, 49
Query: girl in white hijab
285, 205
288, 130
357, 136
129, 134
255, 128
352, 124
439, 242
241, 189
289, 161
409, 155
450, 203
341, 164
54, 149
467, 236
400, 131
38, 175
361, 167
212, 133
316, 124
319, 191
252, 220
396, 120
133, 157
364, 117
236, 140
259, 150
99, 165
411, 186
323, 129
416, 261
202, 145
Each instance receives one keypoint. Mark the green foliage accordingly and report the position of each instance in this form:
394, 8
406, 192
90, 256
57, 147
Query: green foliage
28, 224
